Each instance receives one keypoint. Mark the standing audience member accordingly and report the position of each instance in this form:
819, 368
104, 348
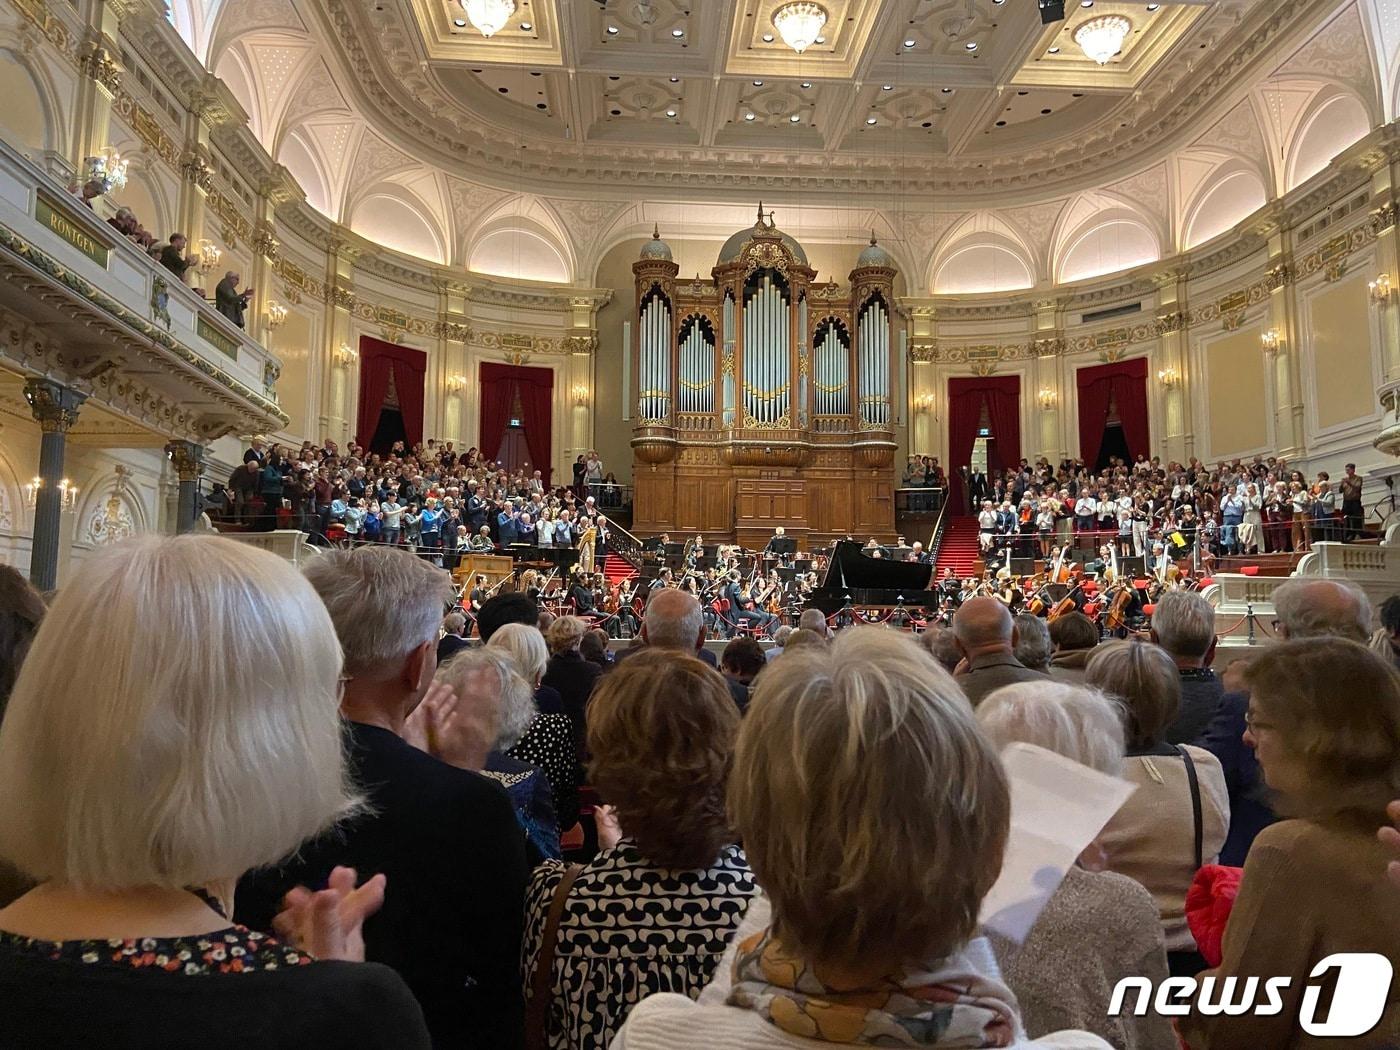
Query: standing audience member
174, 257
872, 875
1033, 644
1099, 927
1322, 609
229, 301
942, 646
454, 637
1324, 719
655, 908
137, 789
1183, 624
780, 637
446, 838
1074, 637
1177, 818
569, 673
987, 638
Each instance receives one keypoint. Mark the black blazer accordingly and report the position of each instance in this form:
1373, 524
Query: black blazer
574, 678
450, 845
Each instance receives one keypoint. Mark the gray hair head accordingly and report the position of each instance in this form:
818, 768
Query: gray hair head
1323, 609
1033, 642
1184, 624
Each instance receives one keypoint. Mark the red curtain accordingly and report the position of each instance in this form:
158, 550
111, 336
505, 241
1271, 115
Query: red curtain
410, 368
1123, 383
966, 396
499, 386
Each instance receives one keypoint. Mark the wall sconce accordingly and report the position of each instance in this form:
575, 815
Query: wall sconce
276, 315
68, 494
1382, 293
1272, 341
1048, 398
1168, 377
209, 256
456, 383
347, 356
924, 403
580, 395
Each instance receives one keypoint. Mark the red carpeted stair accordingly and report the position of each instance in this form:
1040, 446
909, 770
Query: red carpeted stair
958, 550
617, 568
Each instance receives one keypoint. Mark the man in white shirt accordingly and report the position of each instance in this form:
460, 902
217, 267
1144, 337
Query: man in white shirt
1084, 509
986, 526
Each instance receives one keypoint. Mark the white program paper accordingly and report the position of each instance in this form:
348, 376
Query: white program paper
1057, 807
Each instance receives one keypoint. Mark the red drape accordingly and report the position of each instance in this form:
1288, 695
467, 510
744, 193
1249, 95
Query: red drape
1123, 383
499, 385
410, 367
966, 396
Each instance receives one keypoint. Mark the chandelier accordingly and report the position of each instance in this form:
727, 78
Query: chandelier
799, 24
489, 16
107, 168
1101, 38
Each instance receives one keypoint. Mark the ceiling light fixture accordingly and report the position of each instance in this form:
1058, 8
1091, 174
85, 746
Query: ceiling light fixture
887, 87
800, 24
678, 33
758, 83
971, 45
796, 118
460, 23
670, 112
1153, 7
612, 30
1054, 51
909, 42
870, 120
489, 16
1101, 38
767, 38
525, 27
748, 116
675, 80
806, 85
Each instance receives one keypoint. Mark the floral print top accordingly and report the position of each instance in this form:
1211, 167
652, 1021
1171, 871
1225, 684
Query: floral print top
232, 950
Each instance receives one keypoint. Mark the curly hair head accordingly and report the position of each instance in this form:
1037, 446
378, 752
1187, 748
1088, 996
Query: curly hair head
661, 728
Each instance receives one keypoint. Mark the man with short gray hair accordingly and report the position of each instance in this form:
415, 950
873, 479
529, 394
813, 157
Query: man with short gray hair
1307, 608
1183, 623
446, 838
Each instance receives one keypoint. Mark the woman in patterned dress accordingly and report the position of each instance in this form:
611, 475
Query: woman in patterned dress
655, 909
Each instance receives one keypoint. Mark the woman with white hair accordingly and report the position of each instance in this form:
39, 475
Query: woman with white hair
568, 672
875, 815
502, 703
548, 742
137, 788
1099, 927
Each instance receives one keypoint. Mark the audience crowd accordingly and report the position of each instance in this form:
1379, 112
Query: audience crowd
346, 825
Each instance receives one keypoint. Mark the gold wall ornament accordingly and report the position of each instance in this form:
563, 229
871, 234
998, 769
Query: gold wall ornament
187, 458
1232, 321
54, 406
198, 172
1167, 323
99, 65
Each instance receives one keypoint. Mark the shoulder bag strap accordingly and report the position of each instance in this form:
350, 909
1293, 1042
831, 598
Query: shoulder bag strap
537, 1010
1195, 784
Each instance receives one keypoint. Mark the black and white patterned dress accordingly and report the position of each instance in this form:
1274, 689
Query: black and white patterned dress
631, 929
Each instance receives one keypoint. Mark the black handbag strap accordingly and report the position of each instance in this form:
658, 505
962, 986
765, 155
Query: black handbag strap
1195, 784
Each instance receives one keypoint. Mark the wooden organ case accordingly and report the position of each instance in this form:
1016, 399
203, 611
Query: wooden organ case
764, 398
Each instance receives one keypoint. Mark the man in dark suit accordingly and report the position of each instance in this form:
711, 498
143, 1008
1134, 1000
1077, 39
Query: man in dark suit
977, 487
446, 838
453, 640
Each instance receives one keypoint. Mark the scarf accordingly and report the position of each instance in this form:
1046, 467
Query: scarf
950, 1006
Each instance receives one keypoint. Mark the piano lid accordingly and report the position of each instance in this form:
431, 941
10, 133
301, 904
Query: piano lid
851, 568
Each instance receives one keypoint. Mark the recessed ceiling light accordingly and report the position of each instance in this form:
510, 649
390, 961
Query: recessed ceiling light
796, 118
670, 112
526, 26
947, 91
675, 80
767, 38
888, 87
909, 42
1086, 3
748, 116
870, 120
1153, 7
821, 40
678, 33
806, 84
971, 45
758, 83
998, 2
460, 23
612, 30
1054, 50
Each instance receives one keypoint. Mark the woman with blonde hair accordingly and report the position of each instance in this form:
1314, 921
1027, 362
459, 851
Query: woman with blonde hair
136, 789
569, 673
548, 742
875, 815
1099, 927
1177, 819
1324, 721
655, 908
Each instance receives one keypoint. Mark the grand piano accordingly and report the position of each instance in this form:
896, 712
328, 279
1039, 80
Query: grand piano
854, 578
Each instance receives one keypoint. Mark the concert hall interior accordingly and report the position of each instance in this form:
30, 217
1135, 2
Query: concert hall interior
777, 320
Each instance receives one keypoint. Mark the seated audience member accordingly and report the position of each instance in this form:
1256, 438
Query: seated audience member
488, 682
1177, 818
656, 907
780, 637
1074, 637
987, 636
1324, 718
942, 646
672, 620
814, 620
138, 788
568, 672
872, 875
454, 637
1386, 639
1033, 642
548, 742
446, 838
508, 607
740, 663
594, 648
1099, 926
1183, 624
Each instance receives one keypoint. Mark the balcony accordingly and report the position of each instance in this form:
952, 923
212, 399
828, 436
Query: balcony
86, 307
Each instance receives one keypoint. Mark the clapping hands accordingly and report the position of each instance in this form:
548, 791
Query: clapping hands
458, 730
1391, 837
329, 924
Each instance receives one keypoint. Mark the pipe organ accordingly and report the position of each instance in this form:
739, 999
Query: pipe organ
765, 397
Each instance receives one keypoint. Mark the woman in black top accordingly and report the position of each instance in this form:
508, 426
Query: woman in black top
136, 789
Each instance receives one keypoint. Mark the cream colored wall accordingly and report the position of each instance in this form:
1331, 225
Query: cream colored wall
1235, 394
1338, 342
293, 344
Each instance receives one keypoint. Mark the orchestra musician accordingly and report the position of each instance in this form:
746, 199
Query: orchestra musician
626, 599
475, 600
581, 593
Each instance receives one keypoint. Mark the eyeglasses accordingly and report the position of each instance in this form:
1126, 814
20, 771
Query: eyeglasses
1254, 724
340, 687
